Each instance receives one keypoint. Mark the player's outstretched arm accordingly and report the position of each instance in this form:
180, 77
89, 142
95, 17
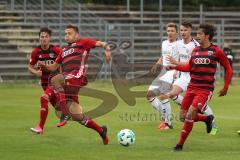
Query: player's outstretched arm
34, 71
184, 67
108, 54
51, 67
175, 62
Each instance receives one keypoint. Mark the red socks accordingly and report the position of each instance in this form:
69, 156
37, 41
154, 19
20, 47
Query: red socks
43, 111
200, 117
93, 125
187, 128
188, 125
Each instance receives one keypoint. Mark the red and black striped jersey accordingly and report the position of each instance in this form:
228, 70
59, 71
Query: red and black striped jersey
73, 58
203, 66
47, 57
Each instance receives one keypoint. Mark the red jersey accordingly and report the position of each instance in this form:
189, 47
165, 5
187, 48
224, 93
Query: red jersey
46, 57
73, 58
203, 66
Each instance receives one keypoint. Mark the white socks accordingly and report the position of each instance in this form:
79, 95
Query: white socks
178, 99
164, 107
167, 111
156, 104
208, 111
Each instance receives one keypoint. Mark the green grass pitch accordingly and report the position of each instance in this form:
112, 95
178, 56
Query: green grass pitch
19, 105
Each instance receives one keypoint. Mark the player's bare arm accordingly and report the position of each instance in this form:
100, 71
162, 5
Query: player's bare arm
108, 54
160, 61
34, 71
156, 66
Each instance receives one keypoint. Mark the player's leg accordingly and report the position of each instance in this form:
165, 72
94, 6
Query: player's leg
188, 123
160, 86
199, 102
179, 86
77, 114
208, 111
58, 83
151, 97
166, 104
187, 127
167, 112
44, 99
154, 91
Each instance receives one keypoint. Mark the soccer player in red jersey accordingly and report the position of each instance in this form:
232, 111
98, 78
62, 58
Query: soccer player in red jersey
202, 67
73, 61
45, 53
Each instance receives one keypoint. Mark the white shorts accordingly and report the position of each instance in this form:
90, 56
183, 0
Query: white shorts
183, 80
162, 84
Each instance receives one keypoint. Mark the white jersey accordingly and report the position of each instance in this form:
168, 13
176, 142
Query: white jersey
168, 49
184, 51
162, 83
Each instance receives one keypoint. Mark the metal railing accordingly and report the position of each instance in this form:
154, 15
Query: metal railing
56, 14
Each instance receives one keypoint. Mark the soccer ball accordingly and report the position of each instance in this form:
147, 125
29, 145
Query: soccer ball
126, 137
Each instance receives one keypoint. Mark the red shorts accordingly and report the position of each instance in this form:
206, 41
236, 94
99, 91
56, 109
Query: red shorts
73, 85
196, 98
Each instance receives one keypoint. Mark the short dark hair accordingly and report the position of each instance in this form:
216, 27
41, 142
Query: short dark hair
172, 25
208, 29
74, 27
45, 29
187, 24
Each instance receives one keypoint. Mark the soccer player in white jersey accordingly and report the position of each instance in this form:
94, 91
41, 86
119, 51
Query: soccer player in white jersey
162, 84
184, 49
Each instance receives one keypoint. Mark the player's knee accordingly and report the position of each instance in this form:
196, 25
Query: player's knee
163, 97
57, 80
172, 94
150, 95
192, 112
80, 118
54, 81
44, 98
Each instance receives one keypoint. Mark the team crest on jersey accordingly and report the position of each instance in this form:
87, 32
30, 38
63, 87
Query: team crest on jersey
210, 53
73, 44
51, 55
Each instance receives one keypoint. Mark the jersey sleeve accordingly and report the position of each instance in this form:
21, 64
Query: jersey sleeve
58, 50
33, 58
59, 58
185, 67
226, 65
89, 43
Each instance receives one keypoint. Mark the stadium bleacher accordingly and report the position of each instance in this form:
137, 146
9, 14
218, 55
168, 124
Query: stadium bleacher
19, 31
